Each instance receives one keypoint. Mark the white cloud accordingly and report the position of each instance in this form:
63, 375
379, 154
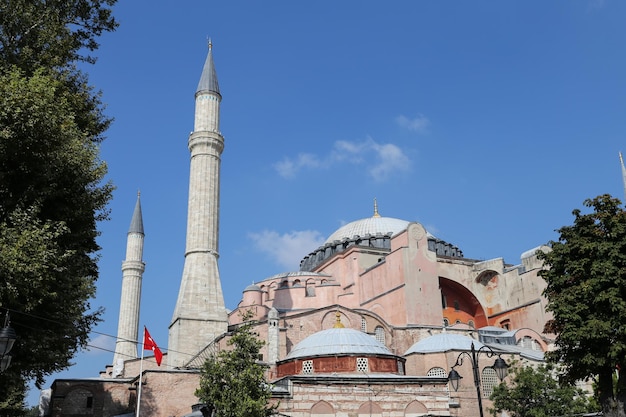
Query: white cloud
288, 249
391, 160
382, 159
419, 124
101, 344
288, 168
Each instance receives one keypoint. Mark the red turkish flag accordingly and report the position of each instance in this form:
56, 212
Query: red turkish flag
150, 344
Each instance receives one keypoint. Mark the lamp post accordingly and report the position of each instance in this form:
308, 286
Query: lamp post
499, 366
7, 339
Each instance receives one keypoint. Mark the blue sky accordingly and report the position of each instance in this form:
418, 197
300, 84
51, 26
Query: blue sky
488, 122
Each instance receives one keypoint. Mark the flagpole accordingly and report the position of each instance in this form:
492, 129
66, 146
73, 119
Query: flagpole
143, 341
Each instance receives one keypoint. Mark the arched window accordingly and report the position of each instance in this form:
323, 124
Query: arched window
379, 334
310, 288
322, 409
438, 372
529, 343
415, 409
284, 284
370, 409
363, 325
446, 322
296, 283
488, 380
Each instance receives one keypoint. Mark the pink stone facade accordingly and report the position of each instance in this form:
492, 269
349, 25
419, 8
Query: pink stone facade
399, 296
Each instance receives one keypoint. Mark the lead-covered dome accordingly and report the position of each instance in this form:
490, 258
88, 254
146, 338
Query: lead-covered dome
369, 226
372, 232
338, 341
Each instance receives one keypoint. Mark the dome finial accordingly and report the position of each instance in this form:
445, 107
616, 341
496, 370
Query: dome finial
210, 42
338, 323
376, 208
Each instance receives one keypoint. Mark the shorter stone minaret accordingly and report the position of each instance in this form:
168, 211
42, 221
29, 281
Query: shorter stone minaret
273, 336
132, 272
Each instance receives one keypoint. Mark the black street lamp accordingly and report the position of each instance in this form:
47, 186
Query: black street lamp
7, 339
499, 366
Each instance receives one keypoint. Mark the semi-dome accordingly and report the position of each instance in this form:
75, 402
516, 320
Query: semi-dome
338, 341
369, 226
443, 342
252, 287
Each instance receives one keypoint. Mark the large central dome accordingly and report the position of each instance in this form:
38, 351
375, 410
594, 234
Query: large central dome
375, 232
369, 226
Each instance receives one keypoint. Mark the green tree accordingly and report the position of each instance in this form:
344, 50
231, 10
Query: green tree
534, 392
52, 188
586, 291
52, 34
233, 382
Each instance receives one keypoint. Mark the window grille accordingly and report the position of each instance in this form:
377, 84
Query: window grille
489, 380
438, 372
362, 365
363, 325
307, 367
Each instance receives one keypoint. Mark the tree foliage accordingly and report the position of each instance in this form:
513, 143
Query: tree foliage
52, 34
586, 291
534, 392
52, 188
233, 382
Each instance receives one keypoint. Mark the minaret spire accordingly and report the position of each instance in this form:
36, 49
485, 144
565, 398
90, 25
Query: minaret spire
132, 273
200, 314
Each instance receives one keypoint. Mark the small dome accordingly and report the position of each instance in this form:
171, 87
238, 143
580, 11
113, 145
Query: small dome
443, 342
252, 287
338, 341
371, 225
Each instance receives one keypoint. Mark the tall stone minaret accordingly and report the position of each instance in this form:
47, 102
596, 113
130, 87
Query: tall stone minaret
132, 272
200, 314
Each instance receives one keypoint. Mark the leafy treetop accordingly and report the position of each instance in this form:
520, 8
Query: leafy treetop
233, 382
52, 34
586, 292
